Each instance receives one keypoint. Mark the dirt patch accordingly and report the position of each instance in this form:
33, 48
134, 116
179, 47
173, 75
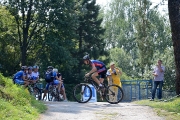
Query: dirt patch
98, 111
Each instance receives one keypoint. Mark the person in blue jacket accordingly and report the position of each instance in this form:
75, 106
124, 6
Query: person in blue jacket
20, 77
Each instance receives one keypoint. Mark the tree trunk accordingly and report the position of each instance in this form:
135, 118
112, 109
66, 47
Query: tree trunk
174, 16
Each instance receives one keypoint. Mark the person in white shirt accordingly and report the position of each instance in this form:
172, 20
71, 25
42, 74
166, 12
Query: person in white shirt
158, 80
35, 74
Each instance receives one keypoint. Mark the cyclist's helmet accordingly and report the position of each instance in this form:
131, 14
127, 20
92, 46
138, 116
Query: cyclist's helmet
24, 68
86, 57
55, 70
35, 67
30, 68
50, 67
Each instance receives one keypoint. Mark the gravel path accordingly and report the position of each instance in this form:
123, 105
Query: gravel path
98, 111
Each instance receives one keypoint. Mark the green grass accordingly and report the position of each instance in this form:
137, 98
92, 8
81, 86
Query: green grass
16, 103
169, 108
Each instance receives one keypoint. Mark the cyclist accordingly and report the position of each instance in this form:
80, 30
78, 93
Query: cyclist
20, 77
57, 81
98, 69
29, 73
50, 69
35, 74
62, 89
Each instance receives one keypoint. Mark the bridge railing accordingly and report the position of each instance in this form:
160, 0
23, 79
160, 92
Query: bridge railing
136, 89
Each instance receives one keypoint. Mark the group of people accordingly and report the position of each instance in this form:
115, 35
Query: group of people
26, 75
30, 75
113, 74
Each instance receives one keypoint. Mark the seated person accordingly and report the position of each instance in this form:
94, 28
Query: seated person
35, 74
62, 90
20, 77
55, 81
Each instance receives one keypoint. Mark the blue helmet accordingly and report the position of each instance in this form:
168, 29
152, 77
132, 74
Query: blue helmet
30, 68
35, 67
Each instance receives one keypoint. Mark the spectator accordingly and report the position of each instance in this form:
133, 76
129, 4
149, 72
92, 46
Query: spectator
35, 74
158, 80
54, 82
113, 75
20, 77
62, 91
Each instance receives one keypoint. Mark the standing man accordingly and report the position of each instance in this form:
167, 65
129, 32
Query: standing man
158, 79
113, 75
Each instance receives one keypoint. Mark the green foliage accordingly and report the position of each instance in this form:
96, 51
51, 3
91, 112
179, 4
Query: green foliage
16, 102
8, 46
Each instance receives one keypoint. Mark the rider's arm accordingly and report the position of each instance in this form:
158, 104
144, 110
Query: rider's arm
24, 78
94, 69
59, 78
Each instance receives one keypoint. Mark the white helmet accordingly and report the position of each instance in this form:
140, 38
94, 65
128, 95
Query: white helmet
55, 70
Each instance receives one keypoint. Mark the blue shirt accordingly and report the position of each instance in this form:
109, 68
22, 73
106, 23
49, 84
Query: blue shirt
19, 75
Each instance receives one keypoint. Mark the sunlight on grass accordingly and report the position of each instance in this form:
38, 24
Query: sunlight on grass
16, 103
169, 108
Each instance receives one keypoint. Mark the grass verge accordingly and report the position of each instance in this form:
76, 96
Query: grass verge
16, 103
170, 109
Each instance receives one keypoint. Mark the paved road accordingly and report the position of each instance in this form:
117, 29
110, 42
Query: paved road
97, 111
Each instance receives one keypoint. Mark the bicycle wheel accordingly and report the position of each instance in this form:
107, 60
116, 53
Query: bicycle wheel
37, 93
113, 94
34, 91
51, 95
82, 93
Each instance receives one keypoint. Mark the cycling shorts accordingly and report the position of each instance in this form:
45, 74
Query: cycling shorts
55, 82
19, 81
102, 72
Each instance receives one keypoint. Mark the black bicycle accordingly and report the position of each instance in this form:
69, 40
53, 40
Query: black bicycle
34, 90
82, 92
53, 94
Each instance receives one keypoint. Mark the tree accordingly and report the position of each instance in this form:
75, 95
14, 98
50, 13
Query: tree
89, 31
174, 16
9, 58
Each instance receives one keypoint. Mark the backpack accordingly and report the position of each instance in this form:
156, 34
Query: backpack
49, 76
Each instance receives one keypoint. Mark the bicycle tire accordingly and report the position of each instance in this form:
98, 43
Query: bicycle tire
112, 96
50, 93
82, 93
35, 92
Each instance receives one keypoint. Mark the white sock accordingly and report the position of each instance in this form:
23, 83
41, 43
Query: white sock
100, 84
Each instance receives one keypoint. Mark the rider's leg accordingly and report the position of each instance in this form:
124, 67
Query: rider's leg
101, 80
46, 90
94, 77
64, 93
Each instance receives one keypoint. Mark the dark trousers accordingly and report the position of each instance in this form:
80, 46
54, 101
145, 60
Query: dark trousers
160, 84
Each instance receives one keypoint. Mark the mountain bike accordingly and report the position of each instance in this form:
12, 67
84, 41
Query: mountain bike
34, 90
82, 92
53, 94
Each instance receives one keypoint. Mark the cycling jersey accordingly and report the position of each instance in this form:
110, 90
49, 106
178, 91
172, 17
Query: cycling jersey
35, 75
98, 64
19, 75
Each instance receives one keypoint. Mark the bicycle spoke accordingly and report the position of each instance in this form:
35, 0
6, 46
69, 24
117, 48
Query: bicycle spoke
114, 94
82, 93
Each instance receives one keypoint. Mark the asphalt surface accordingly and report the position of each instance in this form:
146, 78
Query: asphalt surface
97, 111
